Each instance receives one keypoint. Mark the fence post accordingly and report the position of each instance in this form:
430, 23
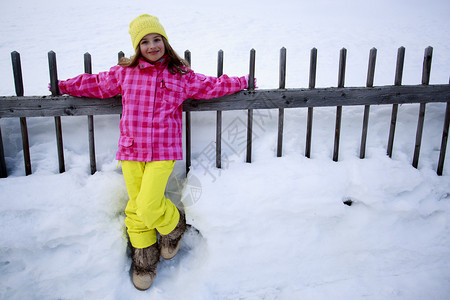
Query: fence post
282, 85
397, 82
440, 167
93, 164
341, 80
120, 55
187, 57
369, 84
251, 86
312, 85
219, 116
55, 91
425, 81
3, 173
18, 82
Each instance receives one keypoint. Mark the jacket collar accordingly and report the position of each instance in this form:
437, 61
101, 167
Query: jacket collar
144, 64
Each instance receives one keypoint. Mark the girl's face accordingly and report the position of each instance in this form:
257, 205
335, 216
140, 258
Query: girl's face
152, 47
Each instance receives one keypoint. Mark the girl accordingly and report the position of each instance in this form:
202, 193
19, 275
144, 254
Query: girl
153, 84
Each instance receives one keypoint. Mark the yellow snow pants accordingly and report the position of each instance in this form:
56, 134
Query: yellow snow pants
148, 210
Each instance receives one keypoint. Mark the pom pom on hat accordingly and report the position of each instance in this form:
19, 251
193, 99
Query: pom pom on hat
143, 25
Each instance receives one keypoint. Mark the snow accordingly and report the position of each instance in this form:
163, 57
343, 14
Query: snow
273, 229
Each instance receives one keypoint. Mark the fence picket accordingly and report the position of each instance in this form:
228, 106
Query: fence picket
25, 145
3, 172
369, 84
397, 82
55, 91
187, 57
341, 81
440, 167
120, 55
219, 116
312, 85
282, 85
251, 86
17, 72
93, 164
18, 83
425, 81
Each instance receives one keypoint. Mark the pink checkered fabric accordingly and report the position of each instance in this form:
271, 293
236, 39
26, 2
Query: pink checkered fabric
152, 97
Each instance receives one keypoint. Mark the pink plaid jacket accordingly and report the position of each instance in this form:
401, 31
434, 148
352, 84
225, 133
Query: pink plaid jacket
152, 97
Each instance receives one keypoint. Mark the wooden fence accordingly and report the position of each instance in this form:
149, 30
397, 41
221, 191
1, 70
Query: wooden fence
56, 105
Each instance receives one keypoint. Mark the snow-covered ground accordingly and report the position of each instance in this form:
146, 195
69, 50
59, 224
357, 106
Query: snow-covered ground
273, 229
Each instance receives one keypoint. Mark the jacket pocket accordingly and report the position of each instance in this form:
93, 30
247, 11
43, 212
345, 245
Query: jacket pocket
126, 141
173, 87
173, 93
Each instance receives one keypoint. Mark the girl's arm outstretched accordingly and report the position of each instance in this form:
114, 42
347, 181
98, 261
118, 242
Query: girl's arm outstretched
207, 87
102, 85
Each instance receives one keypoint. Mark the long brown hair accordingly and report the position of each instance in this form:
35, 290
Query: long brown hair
175, 65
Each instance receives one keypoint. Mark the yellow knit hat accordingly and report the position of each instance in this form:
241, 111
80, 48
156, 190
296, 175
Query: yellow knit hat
143, 25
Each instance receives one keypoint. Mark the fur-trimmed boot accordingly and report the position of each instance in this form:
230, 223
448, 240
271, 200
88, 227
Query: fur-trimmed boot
170, 243
145, 262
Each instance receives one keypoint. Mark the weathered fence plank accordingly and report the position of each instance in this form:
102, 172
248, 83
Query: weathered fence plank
341, 80
397, 82
251, 87
120, 55
93, 164
369, 84
312, 85
25, 145
3, 172
440, 167
17, 73
55, 91
18, 83
282, 85
187, 57
49, 106
219, 116
425, 81
322, 97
